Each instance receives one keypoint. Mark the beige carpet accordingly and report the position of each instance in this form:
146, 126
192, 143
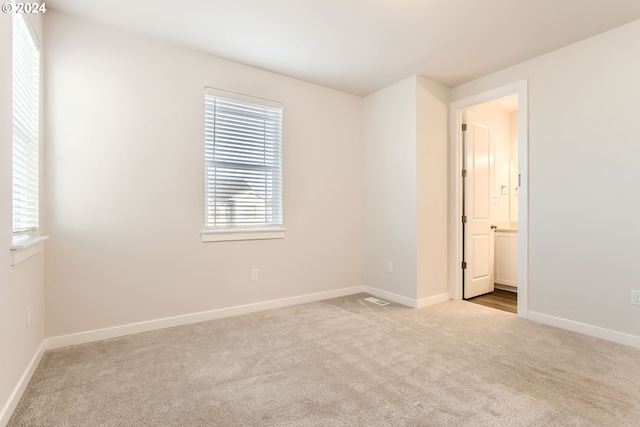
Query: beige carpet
341, 362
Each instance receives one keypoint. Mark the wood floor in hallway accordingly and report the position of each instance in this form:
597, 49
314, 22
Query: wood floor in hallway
498, 299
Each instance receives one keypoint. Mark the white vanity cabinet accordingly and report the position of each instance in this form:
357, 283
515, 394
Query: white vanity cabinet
506, 257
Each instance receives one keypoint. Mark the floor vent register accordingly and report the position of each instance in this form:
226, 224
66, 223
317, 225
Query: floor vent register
376, 301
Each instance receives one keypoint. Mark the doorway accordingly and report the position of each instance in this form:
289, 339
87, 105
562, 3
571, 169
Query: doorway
495, 185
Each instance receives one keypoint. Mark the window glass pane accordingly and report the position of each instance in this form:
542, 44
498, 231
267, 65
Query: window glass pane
26, 119
243, 161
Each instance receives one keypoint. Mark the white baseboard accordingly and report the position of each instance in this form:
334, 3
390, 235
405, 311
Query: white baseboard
400, 299
168, 322
505, 287
12, 403
586, 329
436, 299
409, 302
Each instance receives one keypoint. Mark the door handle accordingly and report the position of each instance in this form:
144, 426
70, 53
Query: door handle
493, 227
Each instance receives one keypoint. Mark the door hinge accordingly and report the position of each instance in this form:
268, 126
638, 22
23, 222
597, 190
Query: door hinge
464, 127
464, 265
464, 173
464, 219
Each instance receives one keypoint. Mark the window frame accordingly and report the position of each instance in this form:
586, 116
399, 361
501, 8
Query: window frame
214, 161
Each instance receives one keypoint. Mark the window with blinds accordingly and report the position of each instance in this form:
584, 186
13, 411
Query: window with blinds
26, 119
243, 162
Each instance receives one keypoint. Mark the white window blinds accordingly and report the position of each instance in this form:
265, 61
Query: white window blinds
26, 119
243, 161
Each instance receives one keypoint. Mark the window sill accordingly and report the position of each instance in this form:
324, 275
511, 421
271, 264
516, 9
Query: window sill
247, 234
24, 247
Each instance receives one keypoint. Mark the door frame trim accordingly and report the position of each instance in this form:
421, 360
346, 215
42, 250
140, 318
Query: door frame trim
455, 188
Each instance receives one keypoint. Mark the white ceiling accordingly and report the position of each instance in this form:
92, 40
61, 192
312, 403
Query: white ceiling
360, 46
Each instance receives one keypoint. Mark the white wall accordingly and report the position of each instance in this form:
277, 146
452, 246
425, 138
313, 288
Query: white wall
389, 136
583, 197
432, 108
21, 286
405, 190
125, 128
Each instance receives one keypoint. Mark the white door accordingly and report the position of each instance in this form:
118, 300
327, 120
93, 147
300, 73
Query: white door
478, 234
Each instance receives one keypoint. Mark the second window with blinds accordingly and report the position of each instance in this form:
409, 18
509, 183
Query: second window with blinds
243, 167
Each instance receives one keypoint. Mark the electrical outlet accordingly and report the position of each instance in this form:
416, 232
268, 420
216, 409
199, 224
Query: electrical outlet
254, 274
635, 297
389, 267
